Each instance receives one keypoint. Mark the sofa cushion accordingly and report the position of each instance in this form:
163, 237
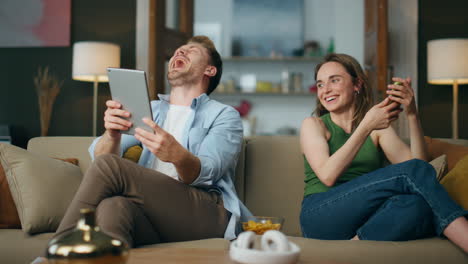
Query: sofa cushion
133, 153
438, 147
440, 166
41, 187
239, 180
8, 215
73, 161
16, 247
456, 182
274, 179
63, 147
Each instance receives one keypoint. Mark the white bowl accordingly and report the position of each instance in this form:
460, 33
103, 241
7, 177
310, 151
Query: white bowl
255, 256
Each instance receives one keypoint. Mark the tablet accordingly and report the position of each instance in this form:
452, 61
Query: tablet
129, 88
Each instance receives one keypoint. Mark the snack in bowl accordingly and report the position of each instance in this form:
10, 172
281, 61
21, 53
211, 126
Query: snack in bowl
260, 224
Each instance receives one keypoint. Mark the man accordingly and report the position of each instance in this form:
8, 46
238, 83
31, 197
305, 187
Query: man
182, 188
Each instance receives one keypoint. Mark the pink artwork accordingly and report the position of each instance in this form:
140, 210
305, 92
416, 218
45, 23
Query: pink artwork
35, 23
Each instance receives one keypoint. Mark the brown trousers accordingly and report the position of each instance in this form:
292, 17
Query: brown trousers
141, 206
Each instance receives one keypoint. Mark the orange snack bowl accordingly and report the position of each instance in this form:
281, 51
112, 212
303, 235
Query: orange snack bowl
260, 224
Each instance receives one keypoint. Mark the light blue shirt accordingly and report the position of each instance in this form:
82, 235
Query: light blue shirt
213, 133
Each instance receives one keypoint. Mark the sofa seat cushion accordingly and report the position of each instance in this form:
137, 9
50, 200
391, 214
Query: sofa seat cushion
41, 187
16, 247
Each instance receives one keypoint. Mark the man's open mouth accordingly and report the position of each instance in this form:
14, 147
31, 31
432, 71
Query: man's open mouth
179, 63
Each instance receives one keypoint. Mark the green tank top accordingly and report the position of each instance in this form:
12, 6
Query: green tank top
369, 158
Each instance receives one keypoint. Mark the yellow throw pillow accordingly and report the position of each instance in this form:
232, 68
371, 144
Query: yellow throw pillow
456, 182
133, 153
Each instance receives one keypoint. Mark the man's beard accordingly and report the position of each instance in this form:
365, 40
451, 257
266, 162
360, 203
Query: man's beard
177, 78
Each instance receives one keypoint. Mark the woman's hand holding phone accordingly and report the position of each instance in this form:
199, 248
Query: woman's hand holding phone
401, 92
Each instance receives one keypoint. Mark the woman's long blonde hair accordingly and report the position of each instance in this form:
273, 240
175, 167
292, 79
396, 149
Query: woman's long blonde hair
364, 99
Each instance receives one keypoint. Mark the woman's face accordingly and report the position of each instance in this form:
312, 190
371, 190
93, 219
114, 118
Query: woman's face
335, 87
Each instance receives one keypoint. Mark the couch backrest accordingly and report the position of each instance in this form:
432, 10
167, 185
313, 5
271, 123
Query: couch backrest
63, 147
274, 179
77, 147
269, 173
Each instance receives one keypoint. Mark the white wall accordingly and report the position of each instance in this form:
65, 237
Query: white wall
217, 11
342, 20
319, 20
349, 28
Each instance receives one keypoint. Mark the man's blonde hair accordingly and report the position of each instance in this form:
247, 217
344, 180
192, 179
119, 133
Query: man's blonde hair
215, 60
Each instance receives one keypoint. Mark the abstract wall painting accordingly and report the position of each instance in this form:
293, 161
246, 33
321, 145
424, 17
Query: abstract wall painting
266, 28
35, 23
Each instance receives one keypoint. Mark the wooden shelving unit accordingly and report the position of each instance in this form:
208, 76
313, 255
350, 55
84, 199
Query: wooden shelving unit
274, 59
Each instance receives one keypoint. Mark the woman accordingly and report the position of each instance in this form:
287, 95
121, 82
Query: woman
348, 195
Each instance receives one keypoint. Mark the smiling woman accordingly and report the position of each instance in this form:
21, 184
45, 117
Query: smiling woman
344, 148
342, 72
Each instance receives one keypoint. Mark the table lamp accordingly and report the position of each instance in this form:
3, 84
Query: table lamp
447, 63
90, 61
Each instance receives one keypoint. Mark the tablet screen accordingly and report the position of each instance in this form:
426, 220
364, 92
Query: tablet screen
129, 88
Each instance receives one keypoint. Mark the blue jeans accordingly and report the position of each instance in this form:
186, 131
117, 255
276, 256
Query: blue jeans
397, 203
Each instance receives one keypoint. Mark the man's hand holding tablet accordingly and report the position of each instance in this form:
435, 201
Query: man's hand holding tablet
130, 102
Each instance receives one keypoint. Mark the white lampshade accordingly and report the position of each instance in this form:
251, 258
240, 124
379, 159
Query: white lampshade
92, 58
447, 61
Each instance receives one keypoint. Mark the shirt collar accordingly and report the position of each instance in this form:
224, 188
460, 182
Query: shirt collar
202, 98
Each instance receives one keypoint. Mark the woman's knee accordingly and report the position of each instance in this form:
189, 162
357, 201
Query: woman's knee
420, 205
414, 204
419, 168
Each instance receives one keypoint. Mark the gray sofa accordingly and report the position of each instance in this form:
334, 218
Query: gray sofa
270, 181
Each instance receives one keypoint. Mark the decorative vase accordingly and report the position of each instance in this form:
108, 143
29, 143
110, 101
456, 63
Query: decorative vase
47, 88
86, 244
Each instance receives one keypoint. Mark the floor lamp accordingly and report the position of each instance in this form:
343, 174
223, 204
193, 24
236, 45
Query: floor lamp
90, 61
447, 63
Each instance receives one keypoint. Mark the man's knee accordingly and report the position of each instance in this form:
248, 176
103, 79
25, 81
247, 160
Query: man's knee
105, 159
115, 203
103, 166
114, 207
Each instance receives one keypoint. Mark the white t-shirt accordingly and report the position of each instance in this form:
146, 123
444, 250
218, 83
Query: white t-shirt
174, 124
